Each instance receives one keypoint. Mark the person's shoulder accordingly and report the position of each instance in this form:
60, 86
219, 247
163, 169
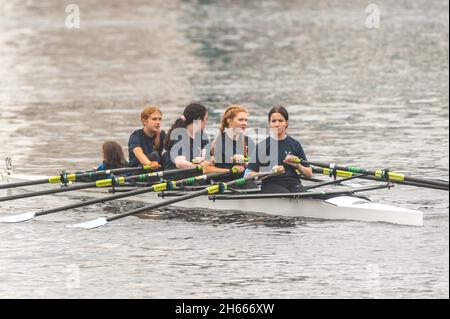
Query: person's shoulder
293, 141
217, 139
138, 132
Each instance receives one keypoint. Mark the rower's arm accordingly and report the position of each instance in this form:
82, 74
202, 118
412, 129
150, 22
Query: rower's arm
207, 169
305, 171
140, 155
181, 162
249, 173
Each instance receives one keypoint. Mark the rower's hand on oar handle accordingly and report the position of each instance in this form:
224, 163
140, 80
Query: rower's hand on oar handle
292, 160
238, 169
207, 167
278, 169
154, 165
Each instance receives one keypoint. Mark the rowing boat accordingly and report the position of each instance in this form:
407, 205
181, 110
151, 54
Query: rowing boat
337, 203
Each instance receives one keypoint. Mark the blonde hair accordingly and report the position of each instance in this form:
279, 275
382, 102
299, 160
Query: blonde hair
145, 114
230, 113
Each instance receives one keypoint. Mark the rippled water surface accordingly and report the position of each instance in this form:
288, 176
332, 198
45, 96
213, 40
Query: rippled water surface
376, 97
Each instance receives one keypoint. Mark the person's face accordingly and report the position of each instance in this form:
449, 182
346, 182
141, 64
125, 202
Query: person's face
278, 123
199, 125
153, 122
239, 122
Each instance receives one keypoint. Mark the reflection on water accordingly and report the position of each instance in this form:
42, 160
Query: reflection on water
373, 97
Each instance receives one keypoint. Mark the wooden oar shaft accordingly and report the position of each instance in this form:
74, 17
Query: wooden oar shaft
391, 176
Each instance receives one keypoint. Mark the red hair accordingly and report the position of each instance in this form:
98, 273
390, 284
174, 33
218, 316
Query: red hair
230, 113
145, 114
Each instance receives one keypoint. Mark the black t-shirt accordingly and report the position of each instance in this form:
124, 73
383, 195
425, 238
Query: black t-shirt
139, 139
184, 146
261, 159
225, 148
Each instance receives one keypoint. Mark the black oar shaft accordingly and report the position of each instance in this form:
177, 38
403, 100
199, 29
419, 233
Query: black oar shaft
165, 203
335, 182
340, 173
21, 184
73, 177
391, 176
217, 188
95, 201
316, 194
47, 192
124, 195
100, 183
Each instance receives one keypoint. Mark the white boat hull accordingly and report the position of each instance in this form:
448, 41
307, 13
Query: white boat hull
335, 208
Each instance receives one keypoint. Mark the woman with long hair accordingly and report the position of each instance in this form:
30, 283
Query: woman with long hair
289, 151
185, 142
145, 146
113, 156
231, 146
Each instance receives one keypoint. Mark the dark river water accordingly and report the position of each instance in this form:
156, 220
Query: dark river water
373, 97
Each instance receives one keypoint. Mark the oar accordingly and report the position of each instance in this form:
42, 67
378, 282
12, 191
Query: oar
154, 188
338, 181
214, 189
313, 194
73, 177
103, 183
327, 171
382, 174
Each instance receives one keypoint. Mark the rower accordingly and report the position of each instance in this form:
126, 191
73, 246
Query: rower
230, 147
289, 151
186, 143
113, 156
145, 145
